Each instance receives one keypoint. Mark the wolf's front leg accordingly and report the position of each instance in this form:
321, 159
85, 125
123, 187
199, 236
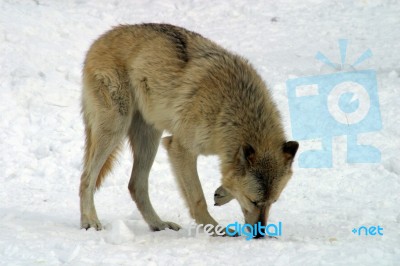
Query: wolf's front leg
222, 196
184, 165
145, 140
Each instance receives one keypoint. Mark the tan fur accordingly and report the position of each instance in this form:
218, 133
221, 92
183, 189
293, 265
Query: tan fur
107, 166
139, 80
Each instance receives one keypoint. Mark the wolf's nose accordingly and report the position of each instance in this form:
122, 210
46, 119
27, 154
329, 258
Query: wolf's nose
258, 235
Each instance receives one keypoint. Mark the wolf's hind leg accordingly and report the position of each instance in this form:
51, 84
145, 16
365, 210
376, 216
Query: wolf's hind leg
100, 152
107, 114
184, 165
144, 140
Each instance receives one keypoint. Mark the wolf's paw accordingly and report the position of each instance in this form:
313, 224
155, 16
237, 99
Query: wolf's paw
164, 225
93, 223
221, 196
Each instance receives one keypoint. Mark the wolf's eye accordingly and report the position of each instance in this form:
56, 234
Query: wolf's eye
255, 203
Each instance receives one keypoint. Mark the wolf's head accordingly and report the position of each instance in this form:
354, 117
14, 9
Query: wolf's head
256, 179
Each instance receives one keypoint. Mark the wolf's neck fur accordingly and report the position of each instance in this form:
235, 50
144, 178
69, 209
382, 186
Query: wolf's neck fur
249, 115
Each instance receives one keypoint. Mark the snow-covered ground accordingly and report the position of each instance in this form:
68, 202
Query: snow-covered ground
42, 47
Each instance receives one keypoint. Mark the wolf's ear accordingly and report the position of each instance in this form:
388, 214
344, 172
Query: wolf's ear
247, 155
289, 149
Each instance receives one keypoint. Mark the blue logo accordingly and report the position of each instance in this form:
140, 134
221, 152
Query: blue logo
250, 230
237, 229
368, 231
342, 103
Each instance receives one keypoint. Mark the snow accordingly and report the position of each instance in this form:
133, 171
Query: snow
43, 44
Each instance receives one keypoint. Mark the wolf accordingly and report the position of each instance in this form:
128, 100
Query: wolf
141, 80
